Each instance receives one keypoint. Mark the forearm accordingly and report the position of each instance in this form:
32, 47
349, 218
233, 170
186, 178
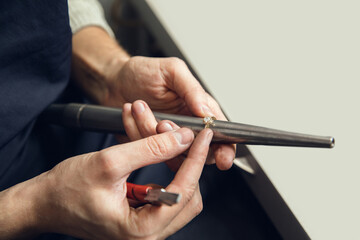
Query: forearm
95, 56
21, 209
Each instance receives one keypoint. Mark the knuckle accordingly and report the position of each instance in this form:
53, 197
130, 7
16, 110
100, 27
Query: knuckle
198, 208
156, 146
106, 164
177, 66
197, 203
193, 199
149, 127
103, 158
175, 61
188, 193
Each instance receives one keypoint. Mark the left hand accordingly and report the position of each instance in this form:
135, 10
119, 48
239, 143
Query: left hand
166, 85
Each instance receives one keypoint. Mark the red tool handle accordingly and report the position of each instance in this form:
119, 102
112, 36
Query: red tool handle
137, 192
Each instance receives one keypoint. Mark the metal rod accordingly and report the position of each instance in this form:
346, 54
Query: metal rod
107, 119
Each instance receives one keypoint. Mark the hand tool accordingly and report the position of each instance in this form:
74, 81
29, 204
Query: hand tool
149, 194
107, 119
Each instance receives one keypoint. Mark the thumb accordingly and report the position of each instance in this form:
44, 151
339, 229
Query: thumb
154, 149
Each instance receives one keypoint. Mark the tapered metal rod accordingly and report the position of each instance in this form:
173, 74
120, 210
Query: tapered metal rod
107, 119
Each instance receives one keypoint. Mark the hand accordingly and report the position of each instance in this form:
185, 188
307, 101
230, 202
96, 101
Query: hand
139, 122
167, 85
110, 77
85, 196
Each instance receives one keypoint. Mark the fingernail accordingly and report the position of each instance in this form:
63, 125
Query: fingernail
184, 136
206, 110
168, 127
127, 106
139, 107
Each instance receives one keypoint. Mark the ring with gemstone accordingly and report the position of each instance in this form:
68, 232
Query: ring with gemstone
209, 121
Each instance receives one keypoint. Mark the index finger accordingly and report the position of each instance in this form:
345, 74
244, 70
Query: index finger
188, 175
185, 183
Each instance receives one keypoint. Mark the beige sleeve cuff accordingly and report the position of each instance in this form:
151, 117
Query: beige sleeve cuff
83, 13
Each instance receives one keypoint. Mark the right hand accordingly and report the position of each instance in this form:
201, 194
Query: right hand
86, 195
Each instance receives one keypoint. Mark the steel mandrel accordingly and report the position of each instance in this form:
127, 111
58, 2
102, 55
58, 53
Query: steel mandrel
107, 119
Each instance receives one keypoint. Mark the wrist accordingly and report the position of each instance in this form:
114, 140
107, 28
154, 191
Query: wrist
22, 208
96, 59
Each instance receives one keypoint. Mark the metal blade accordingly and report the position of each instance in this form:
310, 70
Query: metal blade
162, 196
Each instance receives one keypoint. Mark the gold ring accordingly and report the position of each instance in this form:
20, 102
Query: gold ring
209, 121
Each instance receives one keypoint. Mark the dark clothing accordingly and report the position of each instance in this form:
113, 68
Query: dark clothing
35, 54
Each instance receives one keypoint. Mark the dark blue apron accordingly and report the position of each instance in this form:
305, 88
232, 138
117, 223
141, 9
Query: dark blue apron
35, 54
35, 59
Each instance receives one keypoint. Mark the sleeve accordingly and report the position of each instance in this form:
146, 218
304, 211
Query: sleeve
84, 13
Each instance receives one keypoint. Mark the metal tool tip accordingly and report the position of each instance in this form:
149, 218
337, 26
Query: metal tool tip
177, 200
169, 198
332, 142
